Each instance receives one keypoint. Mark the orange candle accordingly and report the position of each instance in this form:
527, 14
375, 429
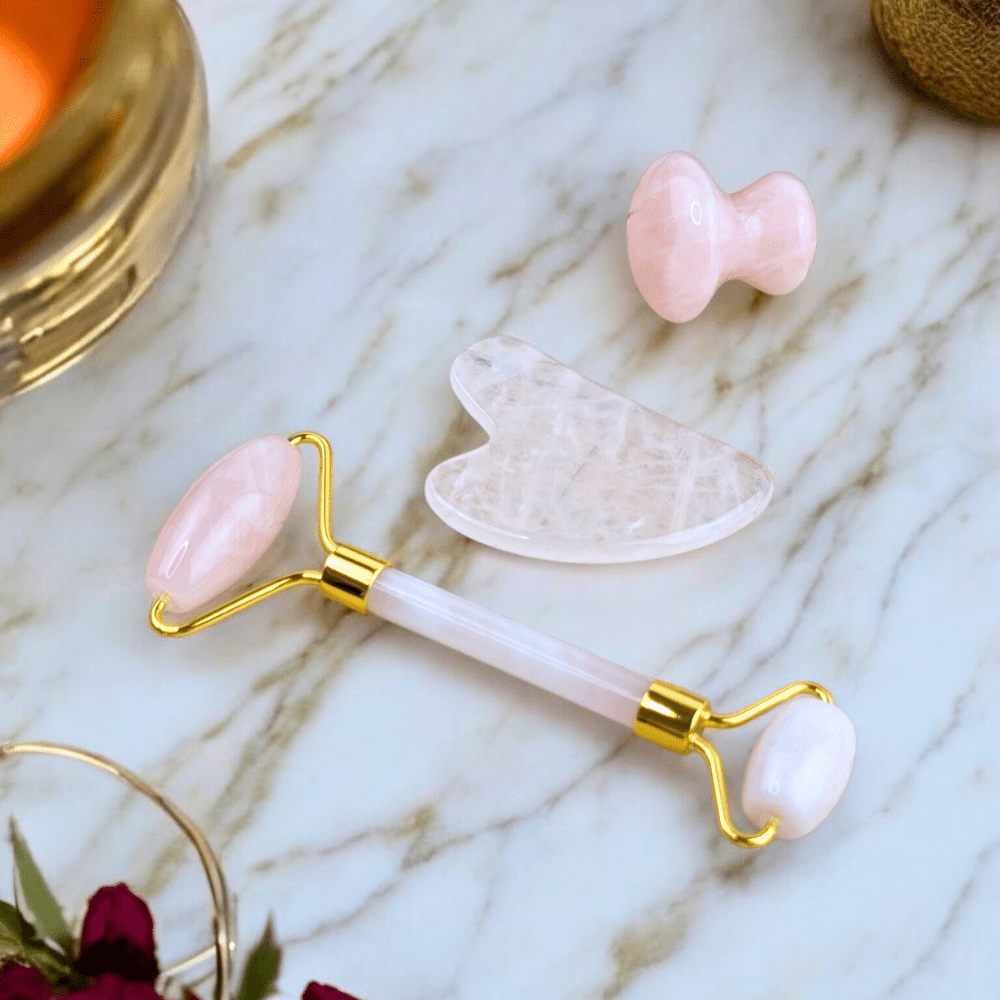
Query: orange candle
28, 95
43, 46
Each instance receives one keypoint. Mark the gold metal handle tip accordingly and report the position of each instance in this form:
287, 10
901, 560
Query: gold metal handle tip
675, 718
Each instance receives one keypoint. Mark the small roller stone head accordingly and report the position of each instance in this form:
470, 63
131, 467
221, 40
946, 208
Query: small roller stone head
799, 768
225, 522
686, 236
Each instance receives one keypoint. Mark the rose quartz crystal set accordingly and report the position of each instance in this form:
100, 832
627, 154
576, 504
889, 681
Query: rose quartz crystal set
572, 472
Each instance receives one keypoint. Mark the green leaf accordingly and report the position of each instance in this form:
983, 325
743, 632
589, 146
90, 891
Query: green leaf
48, 961
51, 922
19, 940
13, 925
260, 977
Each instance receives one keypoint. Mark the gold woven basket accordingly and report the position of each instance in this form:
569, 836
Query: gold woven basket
949, 49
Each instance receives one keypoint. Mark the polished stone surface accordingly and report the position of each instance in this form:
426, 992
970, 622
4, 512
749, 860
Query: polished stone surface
581, 677
799, 767
392, 182
573, 472
686, 236
224, 523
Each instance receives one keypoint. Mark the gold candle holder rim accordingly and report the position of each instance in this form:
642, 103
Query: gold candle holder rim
92, 210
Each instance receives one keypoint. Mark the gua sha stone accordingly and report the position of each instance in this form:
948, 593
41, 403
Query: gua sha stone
225, 522
686, 236
227, 518
573, 472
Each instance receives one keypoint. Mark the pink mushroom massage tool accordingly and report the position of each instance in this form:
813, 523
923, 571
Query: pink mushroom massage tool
686, 236
797, 770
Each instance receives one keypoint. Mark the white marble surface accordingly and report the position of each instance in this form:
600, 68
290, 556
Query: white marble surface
392, 181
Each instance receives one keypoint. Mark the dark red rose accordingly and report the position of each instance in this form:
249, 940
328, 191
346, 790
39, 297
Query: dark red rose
317, 991
112, 987
117, 937
18, 982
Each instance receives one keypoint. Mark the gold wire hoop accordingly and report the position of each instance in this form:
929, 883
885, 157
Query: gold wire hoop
222, 915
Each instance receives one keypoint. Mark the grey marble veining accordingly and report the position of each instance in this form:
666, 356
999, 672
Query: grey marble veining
392, 182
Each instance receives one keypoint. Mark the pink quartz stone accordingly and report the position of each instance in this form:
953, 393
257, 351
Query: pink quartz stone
225, 522
686, 236
576, 473
799, 767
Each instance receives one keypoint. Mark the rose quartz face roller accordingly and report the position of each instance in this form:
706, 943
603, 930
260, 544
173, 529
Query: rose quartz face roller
686, 236
798, 769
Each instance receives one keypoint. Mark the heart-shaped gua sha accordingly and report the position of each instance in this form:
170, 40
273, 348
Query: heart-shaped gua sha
573, 472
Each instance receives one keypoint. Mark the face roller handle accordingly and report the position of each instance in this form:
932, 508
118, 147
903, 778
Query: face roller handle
229, 517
